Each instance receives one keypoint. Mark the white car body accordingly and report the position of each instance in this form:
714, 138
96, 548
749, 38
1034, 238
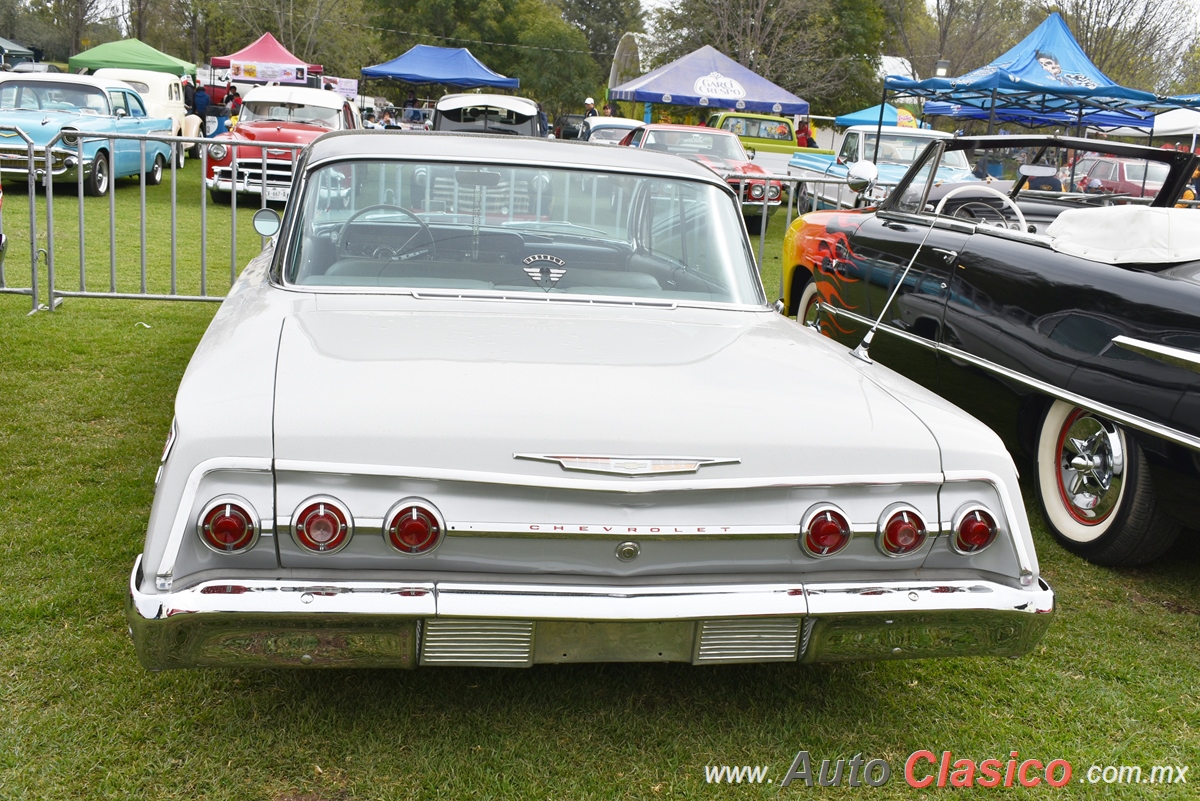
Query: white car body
587, 422
614, 129
162, 93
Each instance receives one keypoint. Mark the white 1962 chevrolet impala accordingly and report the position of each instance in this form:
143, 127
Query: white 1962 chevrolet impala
493, 401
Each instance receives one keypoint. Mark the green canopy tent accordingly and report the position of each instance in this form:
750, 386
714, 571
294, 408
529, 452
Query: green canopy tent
131, 54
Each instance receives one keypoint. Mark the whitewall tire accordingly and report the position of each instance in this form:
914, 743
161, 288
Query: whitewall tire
1095, 490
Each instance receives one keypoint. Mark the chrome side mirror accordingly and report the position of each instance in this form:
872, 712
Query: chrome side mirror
266, 222
862, 177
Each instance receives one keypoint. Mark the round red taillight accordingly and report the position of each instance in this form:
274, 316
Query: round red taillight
413, 528
321, 526
975, 531
901, 532
227, 526
825, 531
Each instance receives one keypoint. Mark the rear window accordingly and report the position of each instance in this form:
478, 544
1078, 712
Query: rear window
385, 226
486, 119
1154, 172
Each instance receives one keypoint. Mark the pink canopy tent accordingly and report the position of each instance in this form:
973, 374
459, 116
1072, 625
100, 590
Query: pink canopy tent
266, 60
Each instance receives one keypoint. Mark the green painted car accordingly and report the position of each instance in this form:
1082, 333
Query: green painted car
771, 141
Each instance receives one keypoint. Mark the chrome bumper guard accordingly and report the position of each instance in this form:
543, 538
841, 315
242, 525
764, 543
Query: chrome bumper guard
291, 622
64, 164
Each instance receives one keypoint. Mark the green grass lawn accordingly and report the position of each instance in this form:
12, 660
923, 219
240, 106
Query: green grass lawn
85, 401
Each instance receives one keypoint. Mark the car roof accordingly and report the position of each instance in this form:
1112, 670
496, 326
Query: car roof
520, 105
302, 95
64, 77
751, 114
664, 126
612, 122
473, 147
896, 129
145, 76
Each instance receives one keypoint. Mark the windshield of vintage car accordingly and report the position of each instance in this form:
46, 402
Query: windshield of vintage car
695, 143
613, 134
904, 149
46, 96
386, 226
289, 112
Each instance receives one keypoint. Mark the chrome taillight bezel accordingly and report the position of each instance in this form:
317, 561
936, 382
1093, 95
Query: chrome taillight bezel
805, 522
961, 515
434, 514
298, 536
245, 507
881, 529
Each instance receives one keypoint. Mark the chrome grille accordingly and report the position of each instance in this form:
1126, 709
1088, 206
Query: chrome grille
498, 643
250, 172
749, 640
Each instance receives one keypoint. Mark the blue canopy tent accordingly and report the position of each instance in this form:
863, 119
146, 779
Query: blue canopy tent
868, 116
1046, 73
448, 66
1104, 120
712, 79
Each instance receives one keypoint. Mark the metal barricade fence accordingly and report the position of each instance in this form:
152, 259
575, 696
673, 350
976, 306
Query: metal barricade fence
32, 289
254, 193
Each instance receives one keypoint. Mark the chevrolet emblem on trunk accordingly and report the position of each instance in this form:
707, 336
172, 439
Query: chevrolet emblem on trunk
629, 465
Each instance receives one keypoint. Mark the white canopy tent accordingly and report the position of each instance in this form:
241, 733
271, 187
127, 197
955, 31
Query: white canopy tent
1167, 125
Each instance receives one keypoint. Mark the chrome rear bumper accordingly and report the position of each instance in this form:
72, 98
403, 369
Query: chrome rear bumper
288, 622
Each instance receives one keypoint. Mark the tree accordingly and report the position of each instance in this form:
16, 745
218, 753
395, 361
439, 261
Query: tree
1137, 43
333, 33
822, 50
967, 33
552, 69
604, 22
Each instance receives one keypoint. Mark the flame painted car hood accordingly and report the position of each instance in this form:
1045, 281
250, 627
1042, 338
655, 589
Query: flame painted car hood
461, 388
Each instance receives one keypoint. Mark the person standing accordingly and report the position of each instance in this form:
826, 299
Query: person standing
234, 100
200, 100
591, 108
411, 101
189, 94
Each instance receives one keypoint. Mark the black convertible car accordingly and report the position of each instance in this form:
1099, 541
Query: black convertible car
1069, 322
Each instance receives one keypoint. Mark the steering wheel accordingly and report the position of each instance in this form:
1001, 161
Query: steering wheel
1008, 201
396, 252
981, 212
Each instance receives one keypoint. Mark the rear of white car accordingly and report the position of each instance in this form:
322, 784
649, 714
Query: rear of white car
467, 430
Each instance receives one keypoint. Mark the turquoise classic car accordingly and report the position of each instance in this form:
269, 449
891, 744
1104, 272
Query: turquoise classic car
57, 112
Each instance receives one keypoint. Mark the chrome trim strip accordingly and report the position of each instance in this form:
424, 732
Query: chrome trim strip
599, 485
166, 568
837, 598
1127, 419
543, 602
631, 466
1187, 359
